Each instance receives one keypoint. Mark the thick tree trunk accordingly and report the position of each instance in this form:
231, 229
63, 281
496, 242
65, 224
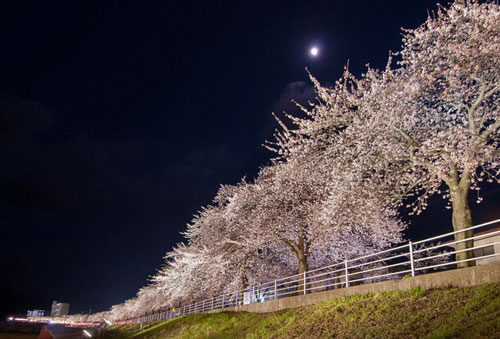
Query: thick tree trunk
462, 219
243, 282
302, 258
300, 250
303, 267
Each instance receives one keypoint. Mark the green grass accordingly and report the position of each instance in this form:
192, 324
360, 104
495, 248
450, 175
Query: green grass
449, 313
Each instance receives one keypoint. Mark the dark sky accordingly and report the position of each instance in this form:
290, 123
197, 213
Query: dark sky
120, 119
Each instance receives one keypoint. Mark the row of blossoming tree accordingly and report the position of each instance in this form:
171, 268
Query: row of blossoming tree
428, 124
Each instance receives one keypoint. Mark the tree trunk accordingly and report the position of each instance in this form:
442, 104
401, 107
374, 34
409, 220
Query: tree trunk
300, 250
462, 218
243, 282
302, 258
303, 267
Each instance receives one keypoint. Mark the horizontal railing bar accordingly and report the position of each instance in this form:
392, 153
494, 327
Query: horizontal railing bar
293, 281
378, 253
330, 272
448, 244
486, 235
325, 286
456, 262
379, 260
381, 267
326, 267
316, 282
435, 256
455, 242
456, 232
286, 288
290, 276
282, 294
379, 276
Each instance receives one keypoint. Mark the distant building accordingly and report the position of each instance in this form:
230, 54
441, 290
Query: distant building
36, 313
489, 243
59, 309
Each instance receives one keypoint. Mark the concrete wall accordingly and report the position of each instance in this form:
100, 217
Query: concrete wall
470, 276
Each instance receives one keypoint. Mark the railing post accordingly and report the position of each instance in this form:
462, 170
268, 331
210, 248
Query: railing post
346, 274
223, 300
275, 289
212, 303
305, 283
412, 261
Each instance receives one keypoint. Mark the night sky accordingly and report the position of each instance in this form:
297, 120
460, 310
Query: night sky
120, 119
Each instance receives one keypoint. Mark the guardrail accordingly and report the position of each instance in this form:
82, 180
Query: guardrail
433, 254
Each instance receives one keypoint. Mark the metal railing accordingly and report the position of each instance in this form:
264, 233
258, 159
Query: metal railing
433, 254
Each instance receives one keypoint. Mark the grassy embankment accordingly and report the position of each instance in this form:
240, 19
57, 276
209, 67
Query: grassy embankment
449, 313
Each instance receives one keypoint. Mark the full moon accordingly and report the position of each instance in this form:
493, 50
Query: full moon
314, 51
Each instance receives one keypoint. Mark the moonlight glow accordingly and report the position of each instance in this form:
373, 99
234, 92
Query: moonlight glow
314, 51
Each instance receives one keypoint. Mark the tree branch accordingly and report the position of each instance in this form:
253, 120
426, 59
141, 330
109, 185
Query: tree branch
406, 136
290, 245
272, 255
472, 108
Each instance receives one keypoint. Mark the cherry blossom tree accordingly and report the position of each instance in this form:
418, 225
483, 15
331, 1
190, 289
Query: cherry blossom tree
428, 124
222, 253
346, 205
285, 209
227, 228
298, 206
437, 114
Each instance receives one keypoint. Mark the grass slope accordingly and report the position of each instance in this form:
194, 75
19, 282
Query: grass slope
472, 312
